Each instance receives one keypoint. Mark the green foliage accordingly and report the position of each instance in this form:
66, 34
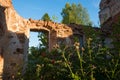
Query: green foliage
68, 63
54, 18
91, 32
93, 62
75, 14
43, 40
44, 66
46, 17
116, 36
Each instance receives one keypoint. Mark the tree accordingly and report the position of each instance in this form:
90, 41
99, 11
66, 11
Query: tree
43, 38
43, 35
45, 17
54, 18
75, 13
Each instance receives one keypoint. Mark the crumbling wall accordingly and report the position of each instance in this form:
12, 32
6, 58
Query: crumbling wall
13, 30
14, 38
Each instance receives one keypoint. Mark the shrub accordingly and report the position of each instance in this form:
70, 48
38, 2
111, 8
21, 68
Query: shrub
69, 63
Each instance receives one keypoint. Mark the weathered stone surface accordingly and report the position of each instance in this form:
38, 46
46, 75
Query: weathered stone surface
14, 35
14, 38
109, 11
109, 15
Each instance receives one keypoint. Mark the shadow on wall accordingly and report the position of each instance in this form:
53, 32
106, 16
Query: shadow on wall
2, 33
12, 50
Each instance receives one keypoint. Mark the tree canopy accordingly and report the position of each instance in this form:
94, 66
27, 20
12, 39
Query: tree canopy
45, 17
75, 13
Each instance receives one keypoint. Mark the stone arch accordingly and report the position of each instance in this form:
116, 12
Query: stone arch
42, 26
44, 31
17, 33
56, 30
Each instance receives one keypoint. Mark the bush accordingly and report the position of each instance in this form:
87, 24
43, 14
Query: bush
93, 62
72, 63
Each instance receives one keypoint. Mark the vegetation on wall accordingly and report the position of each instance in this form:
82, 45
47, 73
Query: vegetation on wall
116, 36
91, 62
69, 63
46, 17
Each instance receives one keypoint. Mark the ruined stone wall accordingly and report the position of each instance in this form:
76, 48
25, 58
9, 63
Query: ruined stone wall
109, 9
14, 38
14, 35
55, 31
109, 15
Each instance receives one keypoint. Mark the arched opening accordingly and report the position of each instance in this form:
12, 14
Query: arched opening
39, 40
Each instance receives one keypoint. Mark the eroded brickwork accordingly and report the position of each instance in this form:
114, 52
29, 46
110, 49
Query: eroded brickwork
109, 12
14, 38
14, 34
109, 15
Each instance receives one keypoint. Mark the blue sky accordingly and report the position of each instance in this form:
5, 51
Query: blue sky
35, 9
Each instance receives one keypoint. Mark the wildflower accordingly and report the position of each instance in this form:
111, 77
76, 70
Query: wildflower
56, 46
82, 49
90, 39
38, 65
13, 76
99, 45
93, 66
42, 65
77, 45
